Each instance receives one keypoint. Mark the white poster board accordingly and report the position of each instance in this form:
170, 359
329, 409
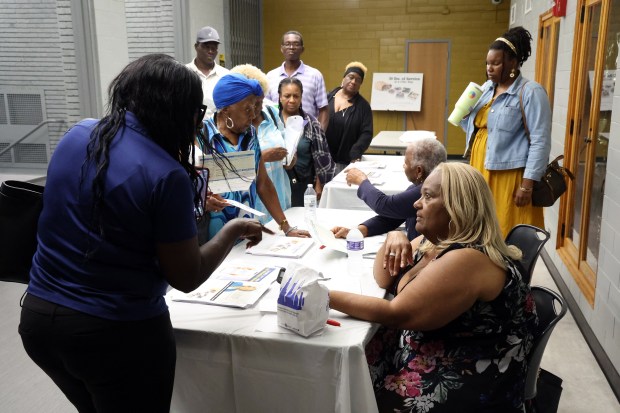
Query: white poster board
396, 91
607, 88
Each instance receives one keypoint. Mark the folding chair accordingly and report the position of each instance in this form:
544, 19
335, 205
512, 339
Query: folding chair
550, 308
530, 240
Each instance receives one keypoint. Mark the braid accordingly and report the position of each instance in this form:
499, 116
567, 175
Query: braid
521, 39
143, 88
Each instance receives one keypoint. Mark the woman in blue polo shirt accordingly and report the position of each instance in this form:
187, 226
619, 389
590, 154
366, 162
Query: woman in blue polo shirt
118, 227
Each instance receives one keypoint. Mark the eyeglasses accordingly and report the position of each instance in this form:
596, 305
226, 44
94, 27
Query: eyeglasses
201, 110
200, 114
293, 45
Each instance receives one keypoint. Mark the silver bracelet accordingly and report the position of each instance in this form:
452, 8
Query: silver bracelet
289, 230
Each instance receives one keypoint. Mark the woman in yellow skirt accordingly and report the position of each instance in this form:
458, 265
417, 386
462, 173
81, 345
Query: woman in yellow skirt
510, 155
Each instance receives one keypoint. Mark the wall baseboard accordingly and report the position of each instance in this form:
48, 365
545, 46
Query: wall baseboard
611, 374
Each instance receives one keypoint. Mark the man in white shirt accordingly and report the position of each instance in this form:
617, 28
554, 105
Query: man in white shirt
206, 46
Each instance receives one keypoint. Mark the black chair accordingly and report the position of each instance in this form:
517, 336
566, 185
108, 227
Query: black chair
530, 240
550, 308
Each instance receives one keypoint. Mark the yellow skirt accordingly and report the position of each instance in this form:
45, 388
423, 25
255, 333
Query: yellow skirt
504, 185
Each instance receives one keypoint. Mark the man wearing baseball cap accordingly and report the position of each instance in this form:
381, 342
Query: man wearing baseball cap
205, 65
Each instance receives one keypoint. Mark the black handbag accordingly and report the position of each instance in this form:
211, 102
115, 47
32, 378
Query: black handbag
551, 185
20, 207
553, 182
548, 393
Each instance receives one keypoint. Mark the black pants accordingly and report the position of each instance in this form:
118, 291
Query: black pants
298, 187
101, 365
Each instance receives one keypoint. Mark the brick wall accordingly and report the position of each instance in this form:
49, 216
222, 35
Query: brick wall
375, 33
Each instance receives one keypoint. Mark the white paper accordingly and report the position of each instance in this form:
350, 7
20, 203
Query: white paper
366, 165
327, 238
234, 203
242, 294
222, 179
281, 246
241, 270
412, 135
374, 177
234, 284
292, 132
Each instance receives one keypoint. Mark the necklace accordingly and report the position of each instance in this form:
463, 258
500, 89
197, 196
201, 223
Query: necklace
345, 111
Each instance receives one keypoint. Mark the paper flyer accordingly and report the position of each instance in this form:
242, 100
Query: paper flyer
281, 246
292, 134
235, 173
232, 285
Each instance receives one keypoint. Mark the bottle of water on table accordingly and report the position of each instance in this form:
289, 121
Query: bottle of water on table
310, 205
355, 251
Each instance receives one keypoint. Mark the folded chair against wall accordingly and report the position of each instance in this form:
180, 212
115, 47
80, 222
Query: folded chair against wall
550, 308
530, 240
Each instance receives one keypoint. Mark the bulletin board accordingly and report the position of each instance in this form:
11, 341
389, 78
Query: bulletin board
396, 91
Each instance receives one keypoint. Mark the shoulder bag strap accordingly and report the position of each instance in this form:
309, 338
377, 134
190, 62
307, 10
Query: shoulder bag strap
527, 131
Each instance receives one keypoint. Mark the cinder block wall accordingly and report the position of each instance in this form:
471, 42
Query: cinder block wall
375, 32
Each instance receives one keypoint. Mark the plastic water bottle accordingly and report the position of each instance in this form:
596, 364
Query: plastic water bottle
355, 251
310, 204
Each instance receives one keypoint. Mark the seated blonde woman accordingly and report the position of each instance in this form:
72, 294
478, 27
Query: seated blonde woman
455, 335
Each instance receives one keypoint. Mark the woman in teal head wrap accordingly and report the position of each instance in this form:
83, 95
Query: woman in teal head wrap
231, 130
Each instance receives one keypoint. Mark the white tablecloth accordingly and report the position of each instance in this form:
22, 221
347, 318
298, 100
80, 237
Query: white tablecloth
337, 194
388, 141
225, 365
397, 141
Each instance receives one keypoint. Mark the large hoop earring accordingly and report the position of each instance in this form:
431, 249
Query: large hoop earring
232, 124
512, 73
449, 224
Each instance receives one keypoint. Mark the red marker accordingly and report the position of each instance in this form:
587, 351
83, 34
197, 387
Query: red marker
333, 323
321, 247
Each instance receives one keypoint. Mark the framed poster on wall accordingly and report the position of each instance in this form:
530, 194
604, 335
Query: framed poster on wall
396, 91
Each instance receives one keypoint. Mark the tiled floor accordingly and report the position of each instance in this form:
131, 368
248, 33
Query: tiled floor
24, 388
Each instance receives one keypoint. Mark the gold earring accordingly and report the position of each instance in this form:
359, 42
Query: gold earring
512, 73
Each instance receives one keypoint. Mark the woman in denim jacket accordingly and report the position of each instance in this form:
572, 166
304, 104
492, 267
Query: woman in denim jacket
497, 142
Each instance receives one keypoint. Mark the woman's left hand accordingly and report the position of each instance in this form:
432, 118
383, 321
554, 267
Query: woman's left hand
274, 154
523, 198
397, 252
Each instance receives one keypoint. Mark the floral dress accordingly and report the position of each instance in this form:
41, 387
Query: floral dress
475, 363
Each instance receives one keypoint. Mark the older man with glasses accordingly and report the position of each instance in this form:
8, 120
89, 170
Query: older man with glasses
314, 99
205, 65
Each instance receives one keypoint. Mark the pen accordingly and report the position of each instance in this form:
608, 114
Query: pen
333, 322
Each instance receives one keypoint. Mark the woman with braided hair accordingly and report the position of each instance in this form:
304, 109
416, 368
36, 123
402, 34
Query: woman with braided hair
118, 227
509, 131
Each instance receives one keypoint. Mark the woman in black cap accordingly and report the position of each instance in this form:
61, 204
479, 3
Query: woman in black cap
350, 118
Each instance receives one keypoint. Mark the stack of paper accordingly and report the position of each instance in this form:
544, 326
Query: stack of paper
281, 246
232, 285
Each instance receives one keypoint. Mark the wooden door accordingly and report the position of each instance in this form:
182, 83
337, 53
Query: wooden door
430, 58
